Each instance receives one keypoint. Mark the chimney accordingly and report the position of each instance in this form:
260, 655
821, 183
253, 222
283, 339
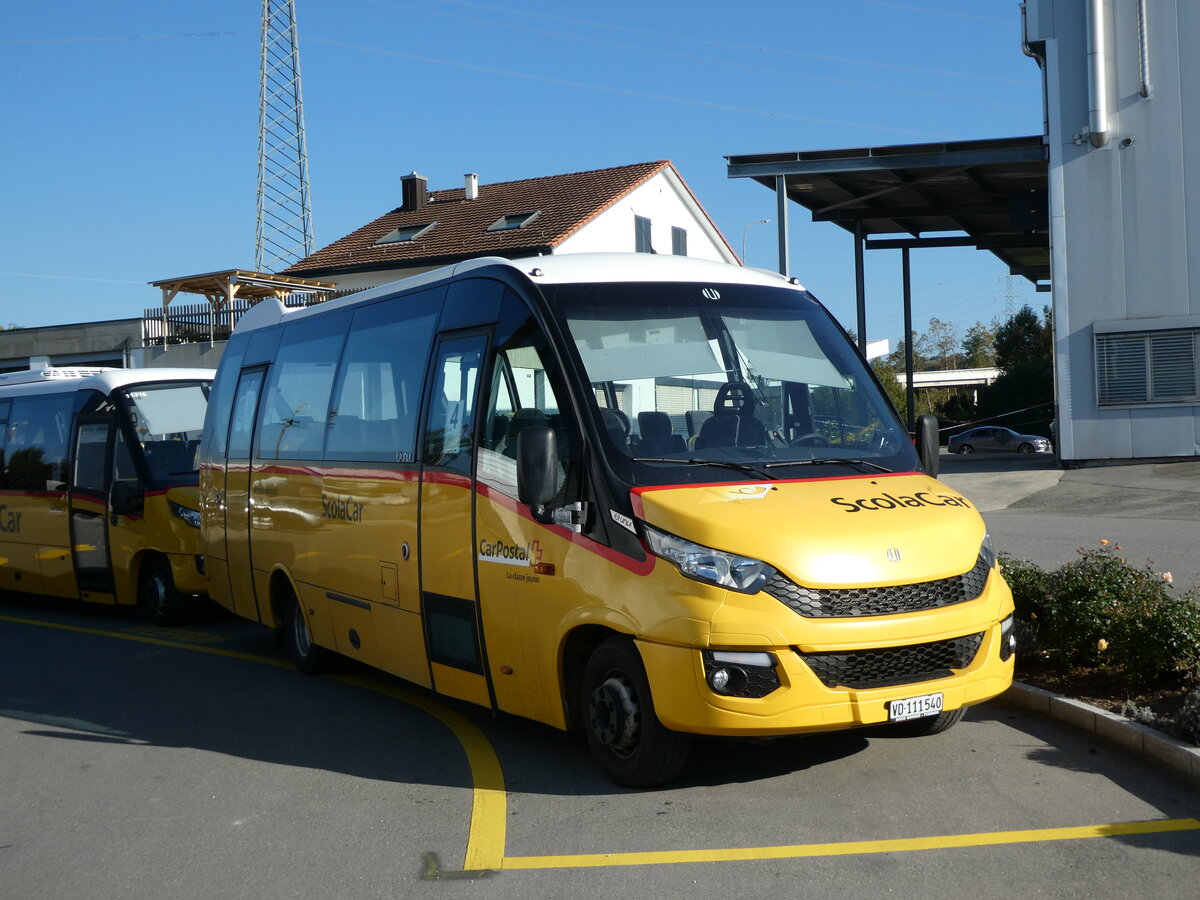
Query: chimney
472, 192
413, 191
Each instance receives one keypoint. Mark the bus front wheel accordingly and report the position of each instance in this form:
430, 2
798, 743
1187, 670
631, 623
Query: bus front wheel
928, 724
158, 600
632, 747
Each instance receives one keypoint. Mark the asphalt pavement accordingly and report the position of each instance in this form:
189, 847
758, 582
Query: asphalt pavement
1037, 511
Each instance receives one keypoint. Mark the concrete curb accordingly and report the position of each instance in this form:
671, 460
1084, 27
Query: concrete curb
1151, 746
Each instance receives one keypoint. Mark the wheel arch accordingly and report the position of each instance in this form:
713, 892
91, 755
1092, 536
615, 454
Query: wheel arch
281, 592
576, 649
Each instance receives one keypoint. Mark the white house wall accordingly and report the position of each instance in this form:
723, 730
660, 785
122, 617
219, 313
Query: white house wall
1125, 217
666, 203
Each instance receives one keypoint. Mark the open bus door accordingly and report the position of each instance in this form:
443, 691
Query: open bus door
90, 511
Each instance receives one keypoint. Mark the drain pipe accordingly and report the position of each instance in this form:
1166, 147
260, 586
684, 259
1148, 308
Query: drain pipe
1144, 49
1040, 59
1097, 15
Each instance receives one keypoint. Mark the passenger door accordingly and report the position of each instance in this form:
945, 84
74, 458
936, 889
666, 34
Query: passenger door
89, 503
447, 535
236, 498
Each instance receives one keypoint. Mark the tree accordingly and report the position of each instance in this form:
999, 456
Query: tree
938, 345
1022, 396
979, 346
1023, 337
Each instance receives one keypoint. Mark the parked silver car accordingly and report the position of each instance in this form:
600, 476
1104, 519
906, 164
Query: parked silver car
996, 439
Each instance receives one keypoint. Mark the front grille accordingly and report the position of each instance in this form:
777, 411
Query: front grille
838, 603
893, 665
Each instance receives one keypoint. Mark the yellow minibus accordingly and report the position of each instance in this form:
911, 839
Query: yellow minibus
643, 496
98, 485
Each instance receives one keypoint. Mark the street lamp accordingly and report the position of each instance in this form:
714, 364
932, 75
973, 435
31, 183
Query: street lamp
746, 231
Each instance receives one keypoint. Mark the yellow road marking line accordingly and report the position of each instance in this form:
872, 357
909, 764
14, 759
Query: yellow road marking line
489, 801
848, 848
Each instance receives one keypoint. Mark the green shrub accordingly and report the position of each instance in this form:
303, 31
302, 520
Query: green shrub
1100, 611
1187, 723
1028, 584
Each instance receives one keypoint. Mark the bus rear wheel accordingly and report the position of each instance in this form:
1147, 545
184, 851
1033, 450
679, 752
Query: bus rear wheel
307, 656
628, 741
158, 600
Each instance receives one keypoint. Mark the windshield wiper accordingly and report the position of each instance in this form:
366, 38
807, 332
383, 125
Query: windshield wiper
741, 467
829, 461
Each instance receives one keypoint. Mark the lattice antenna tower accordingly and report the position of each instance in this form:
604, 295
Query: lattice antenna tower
284, 232
1011, 295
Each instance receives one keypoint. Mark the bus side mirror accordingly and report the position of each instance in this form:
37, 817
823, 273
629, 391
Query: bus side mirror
537, 469
126, 498
927, 444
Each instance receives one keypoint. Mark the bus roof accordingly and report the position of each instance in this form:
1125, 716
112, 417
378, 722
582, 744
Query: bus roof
65, 380
567, 268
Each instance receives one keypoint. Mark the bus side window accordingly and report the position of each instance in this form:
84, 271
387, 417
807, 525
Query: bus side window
36, 457
377, 394
450, 420
220, 401
295, 405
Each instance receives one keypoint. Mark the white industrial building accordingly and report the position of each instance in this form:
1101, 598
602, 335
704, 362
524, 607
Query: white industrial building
1123, 131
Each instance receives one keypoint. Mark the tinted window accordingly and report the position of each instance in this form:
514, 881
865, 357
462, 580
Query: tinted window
295, 404
377, 397
450, 421
241, 423
220, 401
36, 442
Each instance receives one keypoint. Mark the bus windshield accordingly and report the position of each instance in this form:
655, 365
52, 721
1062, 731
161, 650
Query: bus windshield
167, 418
737, 377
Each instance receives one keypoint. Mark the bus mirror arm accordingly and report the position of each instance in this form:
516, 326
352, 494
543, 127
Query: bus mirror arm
537, 470
927, 444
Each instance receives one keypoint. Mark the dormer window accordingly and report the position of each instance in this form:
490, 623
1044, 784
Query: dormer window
406, 233
514, 220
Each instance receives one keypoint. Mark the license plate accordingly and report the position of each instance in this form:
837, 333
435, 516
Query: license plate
914, 707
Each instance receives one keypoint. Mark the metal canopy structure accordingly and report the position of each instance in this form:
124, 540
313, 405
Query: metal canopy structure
990, 195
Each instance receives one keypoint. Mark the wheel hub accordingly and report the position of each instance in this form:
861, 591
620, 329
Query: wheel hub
614, 715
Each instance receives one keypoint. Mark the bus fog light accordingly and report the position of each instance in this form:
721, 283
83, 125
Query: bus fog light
728, 680
734, 673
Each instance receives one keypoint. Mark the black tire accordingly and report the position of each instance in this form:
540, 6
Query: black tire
307, 656
966, 448
157, 598
928, 724
629, 742
1025, 448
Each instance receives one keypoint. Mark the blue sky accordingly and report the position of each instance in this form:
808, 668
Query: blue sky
129, 148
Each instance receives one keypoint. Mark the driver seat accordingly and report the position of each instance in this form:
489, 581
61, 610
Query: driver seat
733, 423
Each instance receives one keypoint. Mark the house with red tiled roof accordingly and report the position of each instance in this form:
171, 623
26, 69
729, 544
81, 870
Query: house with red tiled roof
644, 207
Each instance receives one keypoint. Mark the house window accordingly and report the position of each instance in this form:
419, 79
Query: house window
406, 233
514, 220
1147, 367
641, 235
679, 241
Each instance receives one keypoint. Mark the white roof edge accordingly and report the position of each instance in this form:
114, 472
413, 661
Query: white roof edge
563, 268
104, 381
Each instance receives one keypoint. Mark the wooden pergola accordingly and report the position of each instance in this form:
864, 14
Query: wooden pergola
222, 288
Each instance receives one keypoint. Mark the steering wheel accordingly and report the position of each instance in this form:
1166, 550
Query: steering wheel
809, 439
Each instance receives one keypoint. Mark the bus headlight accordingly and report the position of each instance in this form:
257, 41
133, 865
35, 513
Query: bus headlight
728, 570
189, 516
987, 551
